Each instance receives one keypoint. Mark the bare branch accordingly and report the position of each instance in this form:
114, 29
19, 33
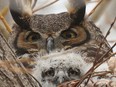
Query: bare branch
45, 6
94, 8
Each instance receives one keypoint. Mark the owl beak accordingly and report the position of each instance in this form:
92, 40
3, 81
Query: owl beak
50, 44
63, 79
60, 78
76, 8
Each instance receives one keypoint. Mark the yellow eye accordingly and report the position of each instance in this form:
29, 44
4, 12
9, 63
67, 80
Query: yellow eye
67, 34
75, 36
32, 36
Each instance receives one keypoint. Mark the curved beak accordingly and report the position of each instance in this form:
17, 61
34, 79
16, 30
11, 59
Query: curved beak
50, 44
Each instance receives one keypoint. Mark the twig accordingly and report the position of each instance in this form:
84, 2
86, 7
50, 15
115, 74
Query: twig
19, 60
108, 32
99, 62
6, 76
94, 8
45, 6
3, 52
88, 1
110, 27
102, 42
102, 73
95, 66
35, 79
14, 57
5, 23
11, 67
17, 69
4, 11
112, 41
105, 59
34, 4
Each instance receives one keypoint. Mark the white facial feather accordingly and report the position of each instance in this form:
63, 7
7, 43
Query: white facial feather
61, 64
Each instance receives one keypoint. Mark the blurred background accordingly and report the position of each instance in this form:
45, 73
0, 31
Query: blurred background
103, 16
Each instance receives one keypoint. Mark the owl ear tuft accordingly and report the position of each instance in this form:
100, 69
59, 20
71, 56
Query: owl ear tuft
77, 9
20, 11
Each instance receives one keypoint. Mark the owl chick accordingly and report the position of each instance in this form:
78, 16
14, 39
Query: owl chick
60, 67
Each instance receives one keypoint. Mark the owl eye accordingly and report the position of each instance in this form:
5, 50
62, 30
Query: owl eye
75, 36
32, 36
67, 34
72, 72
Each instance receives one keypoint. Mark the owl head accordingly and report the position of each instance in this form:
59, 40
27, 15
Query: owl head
60, 67
50, 32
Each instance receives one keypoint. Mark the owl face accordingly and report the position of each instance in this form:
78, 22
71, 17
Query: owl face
54, 33
60, 67
51, 33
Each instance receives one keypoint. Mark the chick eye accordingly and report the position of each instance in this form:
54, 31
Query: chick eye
32, 36
67, 34
48, 73
72, 72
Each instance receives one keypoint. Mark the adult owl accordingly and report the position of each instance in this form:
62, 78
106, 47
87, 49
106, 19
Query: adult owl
64, 45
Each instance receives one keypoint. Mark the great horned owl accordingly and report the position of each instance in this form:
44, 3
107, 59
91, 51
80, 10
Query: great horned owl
64, 45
